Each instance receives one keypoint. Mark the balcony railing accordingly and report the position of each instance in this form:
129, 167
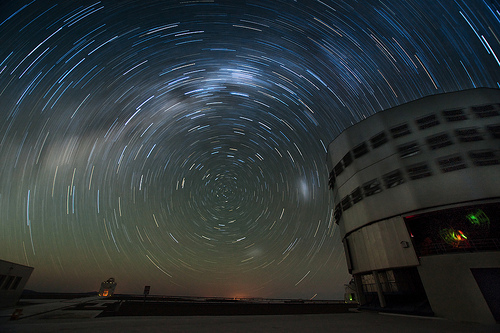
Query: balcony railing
478, 245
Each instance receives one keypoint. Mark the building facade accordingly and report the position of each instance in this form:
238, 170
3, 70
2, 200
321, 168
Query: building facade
417, 200
13, 278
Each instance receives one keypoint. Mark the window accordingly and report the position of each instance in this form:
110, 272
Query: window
485, 111
360, 150
17, 280
455, 115
438, 141
372, 187
484, 157
427, 121
378, 140
2, 279
356, 195
494, 130
451, 163
468, 134
408, 149
400, 130
331, 179
443, 231
338, 168
419, 170
393, 179
338, 213
346, 203
8, 282
347, 159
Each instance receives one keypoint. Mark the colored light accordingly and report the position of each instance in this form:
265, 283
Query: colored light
478, 218
453, 237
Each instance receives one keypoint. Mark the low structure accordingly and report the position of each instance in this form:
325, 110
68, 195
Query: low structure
417, 200
13, 278
107, 288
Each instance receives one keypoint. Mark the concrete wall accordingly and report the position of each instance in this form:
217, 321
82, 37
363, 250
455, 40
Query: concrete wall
451, 288
379, 246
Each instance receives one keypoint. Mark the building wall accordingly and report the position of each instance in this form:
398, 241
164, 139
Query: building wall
382, 245
13, 278
458, 298
452, 167
433, 154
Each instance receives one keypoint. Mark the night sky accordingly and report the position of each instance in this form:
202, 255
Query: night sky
182, 144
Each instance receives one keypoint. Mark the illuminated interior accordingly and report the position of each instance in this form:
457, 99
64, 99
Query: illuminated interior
469, 228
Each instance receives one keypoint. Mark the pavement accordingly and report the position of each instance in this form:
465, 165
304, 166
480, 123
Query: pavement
65, 315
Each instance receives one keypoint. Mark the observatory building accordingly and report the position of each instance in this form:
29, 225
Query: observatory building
417, 200
107, 288
13, 278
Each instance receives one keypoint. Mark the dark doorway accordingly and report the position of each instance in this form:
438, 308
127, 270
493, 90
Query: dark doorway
488, 281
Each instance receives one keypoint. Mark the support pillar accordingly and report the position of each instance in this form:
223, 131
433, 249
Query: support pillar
380, 292
359, 289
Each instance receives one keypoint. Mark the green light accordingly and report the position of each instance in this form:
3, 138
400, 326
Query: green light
478, 218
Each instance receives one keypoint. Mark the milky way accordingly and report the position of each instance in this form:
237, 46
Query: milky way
182, 144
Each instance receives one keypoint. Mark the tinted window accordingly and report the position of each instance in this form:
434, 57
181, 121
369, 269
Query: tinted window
372, 187
400, 130
408, 149
485, 111
393, 179
438, 141
378, 140
360, 150
419, 170
427, 121
455, 115
484, 157
468, 134
451, 163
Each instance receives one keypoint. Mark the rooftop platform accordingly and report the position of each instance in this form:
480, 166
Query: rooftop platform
85, 315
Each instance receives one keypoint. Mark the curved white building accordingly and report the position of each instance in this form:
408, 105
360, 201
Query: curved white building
417, 199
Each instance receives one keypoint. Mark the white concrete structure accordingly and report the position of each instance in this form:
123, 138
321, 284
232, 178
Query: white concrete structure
13, 278
417, 199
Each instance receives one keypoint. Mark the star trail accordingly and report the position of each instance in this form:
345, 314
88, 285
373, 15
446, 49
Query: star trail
182, 144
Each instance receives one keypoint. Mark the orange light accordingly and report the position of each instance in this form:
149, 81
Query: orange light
105, 293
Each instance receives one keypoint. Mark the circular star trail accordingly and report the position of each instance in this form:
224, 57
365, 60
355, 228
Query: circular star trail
182, 144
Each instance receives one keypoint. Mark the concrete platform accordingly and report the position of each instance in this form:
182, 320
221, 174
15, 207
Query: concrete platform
341, 322
84, 314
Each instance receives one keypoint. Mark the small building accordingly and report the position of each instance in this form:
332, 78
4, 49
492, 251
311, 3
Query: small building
417, 200
107, 288
13, 278
350, 292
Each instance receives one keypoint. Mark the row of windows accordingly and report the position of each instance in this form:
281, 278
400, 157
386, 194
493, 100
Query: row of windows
416, 171
427, 121
9, 282
436, 141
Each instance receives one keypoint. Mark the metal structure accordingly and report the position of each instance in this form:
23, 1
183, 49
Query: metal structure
417, 199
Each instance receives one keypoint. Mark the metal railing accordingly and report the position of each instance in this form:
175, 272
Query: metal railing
479, 245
